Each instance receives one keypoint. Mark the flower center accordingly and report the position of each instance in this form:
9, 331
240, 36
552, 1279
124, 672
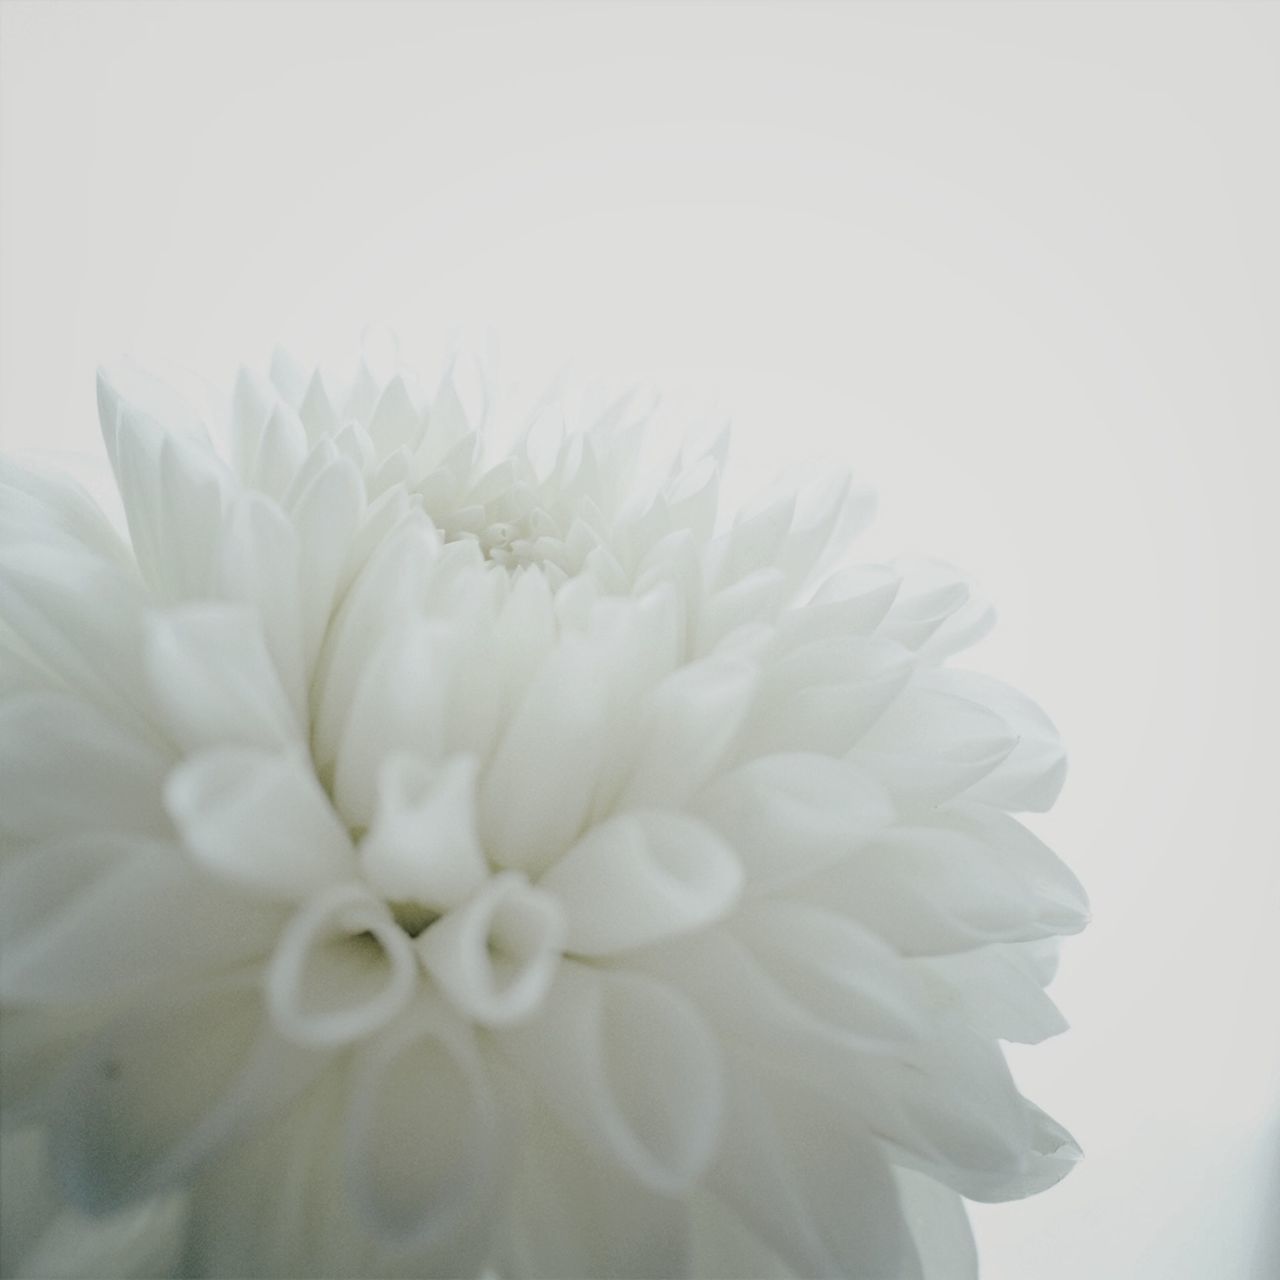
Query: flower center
413, 917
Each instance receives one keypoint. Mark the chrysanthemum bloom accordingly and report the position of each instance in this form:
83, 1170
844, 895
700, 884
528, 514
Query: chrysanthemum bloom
421, 863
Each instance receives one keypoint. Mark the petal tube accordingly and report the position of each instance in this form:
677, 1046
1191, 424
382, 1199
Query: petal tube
641, 877
628, 1066
342, 969
422, 846
496, 956
258, 819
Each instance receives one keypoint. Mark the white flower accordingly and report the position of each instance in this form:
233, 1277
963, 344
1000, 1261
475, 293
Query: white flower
415, 862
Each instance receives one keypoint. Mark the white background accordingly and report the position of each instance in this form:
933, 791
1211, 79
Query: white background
1018, 264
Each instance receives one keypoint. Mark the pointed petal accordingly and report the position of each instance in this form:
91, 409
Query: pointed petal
258, 564
929, 746
689, 724
326, 513
1031, 775
787, 815
214, 681
174, 490
997, 992
930, 890
396, 422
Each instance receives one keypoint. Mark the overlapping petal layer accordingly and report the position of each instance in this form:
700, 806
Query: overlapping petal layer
421, 861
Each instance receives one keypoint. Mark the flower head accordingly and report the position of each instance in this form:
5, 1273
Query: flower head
416, 861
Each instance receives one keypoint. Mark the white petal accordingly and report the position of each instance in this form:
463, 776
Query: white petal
342, 969
840, 974
996, 990
44, 506
754, 598
1031, 776
786, 815
326, 513
689, 724
396, 422
930, 746
94, 918
257, 564
41, 1236
930, 890
950, 1109
853, 601
258, 819
422, 1131
1052, 1154
930, 594
572, 1213
422, 847
397, 706
214, 681
34, 1049
630, 1068
812, 1181
753, 542
824, 695
281, 452
537, 790
642, 877
496, 956
164, 1087
389, 587
316, 409
174, 490
1061, 901
82, 618
815, 1004
939, 1227
49, 739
